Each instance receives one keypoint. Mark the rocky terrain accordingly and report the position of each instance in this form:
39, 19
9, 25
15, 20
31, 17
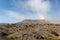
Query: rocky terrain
29, 30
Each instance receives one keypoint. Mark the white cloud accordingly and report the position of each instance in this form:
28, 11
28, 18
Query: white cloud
40, 7
14, 14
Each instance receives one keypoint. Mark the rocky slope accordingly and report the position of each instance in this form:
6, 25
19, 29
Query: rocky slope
29, 30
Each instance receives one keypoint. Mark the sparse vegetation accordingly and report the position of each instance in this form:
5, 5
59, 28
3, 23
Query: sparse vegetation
52, 38
35, 30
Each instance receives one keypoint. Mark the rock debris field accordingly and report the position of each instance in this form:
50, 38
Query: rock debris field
29, 30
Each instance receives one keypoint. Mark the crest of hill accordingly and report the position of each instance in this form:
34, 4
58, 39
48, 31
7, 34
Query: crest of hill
40, 21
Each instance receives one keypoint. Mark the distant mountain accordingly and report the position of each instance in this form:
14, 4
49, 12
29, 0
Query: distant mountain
40, 21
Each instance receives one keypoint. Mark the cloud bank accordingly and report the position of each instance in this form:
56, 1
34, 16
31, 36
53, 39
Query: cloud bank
33, 9
14, 14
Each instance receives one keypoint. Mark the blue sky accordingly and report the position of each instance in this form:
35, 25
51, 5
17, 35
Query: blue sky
12, 11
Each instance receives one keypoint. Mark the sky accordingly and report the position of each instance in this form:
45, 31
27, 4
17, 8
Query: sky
12, 11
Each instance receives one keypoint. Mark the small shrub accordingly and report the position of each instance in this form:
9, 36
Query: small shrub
53, 38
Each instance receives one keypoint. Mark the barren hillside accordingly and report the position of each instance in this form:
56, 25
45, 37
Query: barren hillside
29, 30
